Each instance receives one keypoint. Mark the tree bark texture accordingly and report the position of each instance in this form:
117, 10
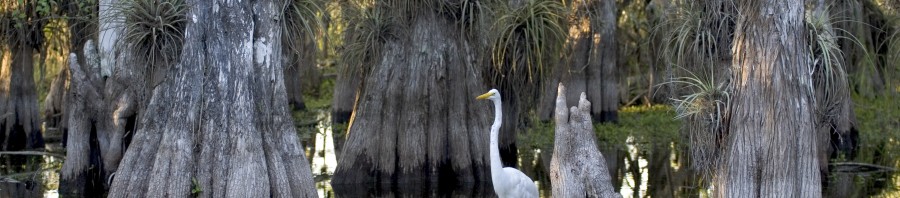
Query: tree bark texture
657, 12
19, 118
54, 103
772, 141
300, 73
417, 117
577, 169
219, 124
592, 66
100, 118
105, 94
343, 104
861, 42
835, 119
346, 89
706, 57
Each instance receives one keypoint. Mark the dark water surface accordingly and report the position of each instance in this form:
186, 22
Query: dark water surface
641, 170
658, 170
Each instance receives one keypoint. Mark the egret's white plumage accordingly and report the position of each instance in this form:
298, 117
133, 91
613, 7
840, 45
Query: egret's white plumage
508, 182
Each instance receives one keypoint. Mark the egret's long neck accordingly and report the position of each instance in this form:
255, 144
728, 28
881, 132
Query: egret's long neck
495, 130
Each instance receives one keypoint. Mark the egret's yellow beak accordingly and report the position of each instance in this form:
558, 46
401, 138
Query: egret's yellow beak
484, 96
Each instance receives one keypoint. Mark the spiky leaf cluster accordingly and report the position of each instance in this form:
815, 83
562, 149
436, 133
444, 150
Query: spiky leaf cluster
827, 62
529, 38
367, 30
697, 38
300, 20
154, 29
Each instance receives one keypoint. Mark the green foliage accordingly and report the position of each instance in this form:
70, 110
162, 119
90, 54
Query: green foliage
23, 20
470, 15
195, 187
694, 41
646, 125
538, 136
879, 132
154, 29
705, 96
301, 20
689, 39
829, 75
529, 38
892, 73
308, 120
879, 127
367, 30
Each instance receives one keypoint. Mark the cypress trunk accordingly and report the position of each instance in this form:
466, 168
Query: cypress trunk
19, 118
772, 142
54, 102
104, 95
100, 118
300, 73
417, 118
591, 66
221, 116
344, 100
346, 88
577, 169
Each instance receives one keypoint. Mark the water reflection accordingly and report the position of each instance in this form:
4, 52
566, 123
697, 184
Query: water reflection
413, 190
39, 177
638, 169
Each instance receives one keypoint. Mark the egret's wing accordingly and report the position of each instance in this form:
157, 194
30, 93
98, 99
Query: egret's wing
523, 184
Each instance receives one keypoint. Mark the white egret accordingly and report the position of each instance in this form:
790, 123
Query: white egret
508, 182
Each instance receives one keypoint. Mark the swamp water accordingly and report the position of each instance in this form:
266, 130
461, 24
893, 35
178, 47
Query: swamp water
640, 170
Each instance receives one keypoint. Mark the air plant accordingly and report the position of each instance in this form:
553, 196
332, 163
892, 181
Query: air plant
154, 29
300, 20
533, 33
829, 75
368, 30
703, 81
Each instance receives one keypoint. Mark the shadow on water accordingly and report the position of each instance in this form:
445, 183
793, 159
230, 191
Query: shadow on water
412, 190
639, 168
30, 173
38, 177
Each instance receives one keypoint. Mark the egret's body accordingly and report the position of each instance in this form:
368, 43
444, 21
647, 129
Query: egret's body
508, 182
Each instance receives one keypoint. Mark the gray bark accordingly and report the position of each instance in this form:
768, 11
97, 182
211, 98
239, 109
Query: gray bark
18, 99
577, 169
548, 95
346, 90
343, 104
54, 103
300, 73
105, 94
604, 54
416, 116
19, 118
772, 142
100, 114
591, 66
220, 117
710, 62
658, 12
